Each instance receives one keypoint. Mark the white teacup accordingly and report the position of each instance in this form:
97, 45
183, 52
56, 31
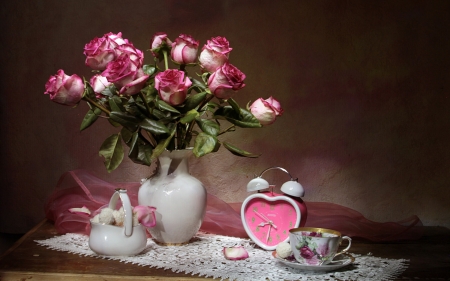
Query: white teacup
316, 246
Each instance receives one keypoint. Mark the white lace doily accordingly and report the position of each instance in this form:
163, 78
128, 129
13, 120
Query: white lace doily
204, 256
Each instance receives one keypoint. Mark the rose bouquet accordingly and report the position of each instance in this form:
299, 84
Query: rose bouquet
157, 107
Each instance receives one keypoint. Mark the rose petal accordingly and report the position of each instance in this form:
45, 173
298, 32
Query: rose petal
80, 211
235, 253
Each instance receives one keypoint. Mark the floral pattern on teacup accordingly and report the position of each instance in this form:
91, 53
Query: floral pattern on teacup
311, 252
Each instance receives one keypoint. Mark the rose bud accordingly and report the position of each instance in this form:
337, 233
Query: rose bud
184, 49
172, 86
235, 253
65, 89
159, 41
214, 54
225, 81
145, 215
99, 83
266, 111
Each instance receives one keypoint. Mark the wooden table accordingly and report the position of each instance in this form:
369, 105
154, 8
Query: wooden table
26, 260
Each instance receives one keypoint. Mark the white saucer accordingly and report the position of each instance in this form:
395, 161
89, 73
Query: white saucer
339, 262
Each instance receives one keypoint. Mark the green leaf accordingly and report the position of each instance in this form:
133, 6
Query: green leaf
113, 123
162, 145
208, 126
109, 91
239, 152
124, 119
126, 135
116, 104
162, 105
205, 77
155, 127
90, 117
234, 105
112, 151
244, 120
140, 150
158, 114
149, 69
150, 92
189, 117
205, 144
197, 84
212, 107
194, 100
88, 91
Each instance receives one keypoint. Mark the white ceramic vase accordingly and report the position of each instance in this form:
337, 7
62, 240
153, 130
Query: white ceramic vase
179, 198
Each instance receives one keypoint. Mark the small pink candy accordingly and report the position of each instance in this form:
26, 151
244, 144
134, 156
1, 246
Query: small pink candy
80, 211
235, 253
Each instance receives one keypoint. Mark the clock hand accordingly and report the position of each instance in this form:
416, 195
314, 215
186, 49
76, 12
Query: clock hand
266, 219
268, 233
262, 216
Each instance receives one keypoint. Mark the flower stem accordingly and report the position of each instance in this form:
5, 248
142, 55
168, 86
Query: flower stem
97, 105
228, 129
166, 63
191, 125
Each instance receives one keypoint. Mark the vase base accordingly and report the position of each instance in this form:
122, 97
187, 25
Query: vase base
171, 244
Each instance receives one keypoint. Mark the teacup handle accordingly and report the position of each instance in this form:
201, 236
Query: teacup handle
347, 248
126, 204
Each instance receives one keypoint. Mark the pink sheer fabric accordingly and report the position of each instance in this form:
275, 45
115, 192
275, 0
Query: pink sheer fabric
79, 188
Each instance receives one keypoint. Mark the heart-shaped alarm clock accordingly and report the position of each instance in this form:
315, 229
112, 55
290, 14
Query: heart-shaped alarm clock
267, 216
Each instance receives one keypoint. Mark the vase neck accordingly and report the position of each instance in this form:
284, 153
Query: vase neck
174, 162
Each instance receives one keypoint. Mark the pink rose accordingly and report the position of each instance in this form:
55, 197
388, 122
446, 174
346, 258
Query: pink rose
225, 81
99, 83
100, 51
266, 111
306, 252
214, 53
184, 49
126, 74
145, 215
65, 89
122, 71
159, 40
172, 86
134, 54
323, 249
117, 38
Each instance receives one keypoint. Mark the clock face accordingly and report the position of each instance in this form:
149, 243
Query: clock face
267, 219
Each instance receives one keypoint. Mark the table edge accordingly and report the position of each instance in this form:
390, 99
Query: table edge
21, 239
40, 276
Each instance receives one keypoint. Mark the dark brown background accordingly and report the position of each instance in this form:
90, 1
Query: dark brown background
364, 86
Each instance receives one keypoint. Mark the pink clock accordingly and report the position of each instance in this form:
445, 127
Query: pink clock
267, 217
